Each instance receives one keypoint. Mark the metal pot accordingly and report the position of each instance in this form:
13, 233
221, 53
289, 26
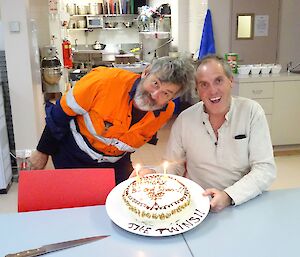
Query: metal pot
52, 75
98, 46
50, 62
128, 24
164, 9
111, 25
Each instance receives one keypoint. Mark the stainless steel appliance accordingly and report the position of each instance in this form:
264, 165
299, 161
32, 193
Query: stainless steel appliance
52, 71
94, 22
154, 45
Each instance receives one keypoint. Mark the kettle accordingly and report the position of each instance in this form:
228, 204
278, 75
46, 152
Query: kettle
98, 46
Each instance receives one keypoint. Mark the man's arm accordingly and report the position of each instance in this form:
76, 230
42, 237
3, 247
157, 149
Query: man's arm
263, 171
48, 145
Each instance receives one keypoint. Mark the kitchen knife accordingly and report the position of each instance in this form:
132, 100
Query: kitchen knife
55, 247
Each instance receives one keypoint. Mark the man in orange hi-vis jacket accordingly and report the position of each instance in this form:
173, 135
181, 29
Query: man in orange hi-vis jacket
109, 113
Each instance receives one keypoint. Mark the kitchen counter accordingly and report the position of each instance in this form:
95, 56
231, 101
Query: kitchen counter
284, 76
88, 51
134, 67
105, 55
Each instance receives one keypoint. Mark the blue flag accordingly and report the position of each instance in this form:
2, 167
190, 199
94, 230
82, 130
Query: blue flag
207, 45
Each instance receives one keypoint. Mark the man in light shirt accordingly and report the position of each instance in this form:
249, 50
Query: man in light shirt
223, 142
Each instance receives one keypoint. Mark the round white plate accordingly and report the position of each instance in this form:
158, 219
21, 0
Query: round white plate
190, 218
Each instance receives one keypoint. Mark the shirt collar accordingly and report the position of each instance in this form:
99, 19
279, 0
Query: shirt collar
133, 89
229, 113
132, 93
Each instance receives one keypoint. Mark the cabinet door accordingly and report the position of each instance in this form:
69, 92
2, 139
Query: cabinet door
256, 90
286, 113
266, 104
261, 92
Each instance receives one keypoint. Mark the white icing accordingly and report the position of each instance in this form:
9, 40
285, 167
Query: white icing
156, 195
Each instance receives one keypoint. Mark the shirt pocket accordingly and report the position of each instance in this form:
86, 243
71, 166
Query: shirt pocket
238, 154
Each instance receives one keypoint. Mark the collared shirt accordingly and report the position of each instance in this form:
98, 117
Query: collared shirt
240, 161
98, 113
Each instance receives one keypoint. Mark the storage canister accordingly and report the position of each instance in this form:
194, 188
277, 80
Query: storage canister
232, 59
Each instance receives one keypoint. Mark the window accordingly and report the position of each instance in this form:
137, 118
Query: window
244, 26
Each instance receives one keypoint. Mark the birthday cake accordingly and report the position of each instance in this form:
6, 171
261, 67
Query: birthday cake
156, 197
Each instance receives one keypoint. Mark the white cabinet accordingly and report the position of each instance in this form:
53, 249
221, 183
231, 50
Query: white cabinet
262, 92
286, 113
5, 165
279, 96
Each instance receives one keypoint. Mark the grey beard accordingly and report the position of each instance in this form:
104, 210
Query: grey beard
140, 102
143, 100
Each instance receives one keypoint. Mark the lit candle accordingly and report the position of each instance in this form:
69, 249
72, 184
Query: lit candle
137, 169
165, 168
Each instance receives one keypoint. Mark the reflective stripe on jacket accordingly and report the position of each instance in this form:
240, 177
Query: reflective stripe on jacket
103, 97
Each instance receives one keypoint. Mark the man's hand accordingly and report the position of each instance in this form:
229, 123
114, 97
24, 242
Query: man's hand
219, 201
142, 172
38, 160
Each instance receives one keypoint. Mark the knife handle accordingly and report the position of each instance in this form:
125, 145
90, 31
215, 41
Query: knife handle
27, 253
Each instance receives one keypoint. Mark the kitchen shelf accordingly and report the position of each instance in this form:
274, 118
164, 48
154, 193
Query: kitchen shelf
113, 28
106, 18
84, 29
92, 29
105, 15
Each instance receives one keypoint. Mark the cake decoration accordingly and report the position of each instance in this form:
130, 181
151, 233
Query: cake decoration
156, 197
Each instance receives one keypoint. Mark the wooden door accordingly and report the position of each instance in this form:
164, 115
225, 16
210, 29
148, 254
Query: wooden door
259, 49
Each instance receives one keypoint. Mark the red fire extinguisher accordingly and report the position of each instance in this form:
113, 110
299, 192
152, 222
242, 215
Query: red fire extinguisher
67, 53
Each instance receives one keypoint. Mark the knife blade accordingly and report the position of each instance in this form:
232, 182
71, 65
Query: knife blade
55, 247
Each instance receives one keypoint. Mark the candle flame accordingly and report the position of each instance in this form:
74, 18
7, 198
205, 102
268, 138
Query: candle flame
166, 163
137, 167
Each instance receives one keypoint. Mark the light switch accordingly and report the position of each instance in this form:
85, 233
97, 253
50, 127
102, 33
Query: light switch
14, 26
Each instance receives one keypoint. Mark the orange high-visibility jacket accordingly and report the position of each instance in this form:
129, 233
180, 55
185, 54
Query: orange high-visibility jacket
102, 97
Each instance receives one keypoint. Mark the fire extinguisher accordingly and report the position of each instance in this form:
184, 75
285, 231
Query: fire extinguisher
67, 53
